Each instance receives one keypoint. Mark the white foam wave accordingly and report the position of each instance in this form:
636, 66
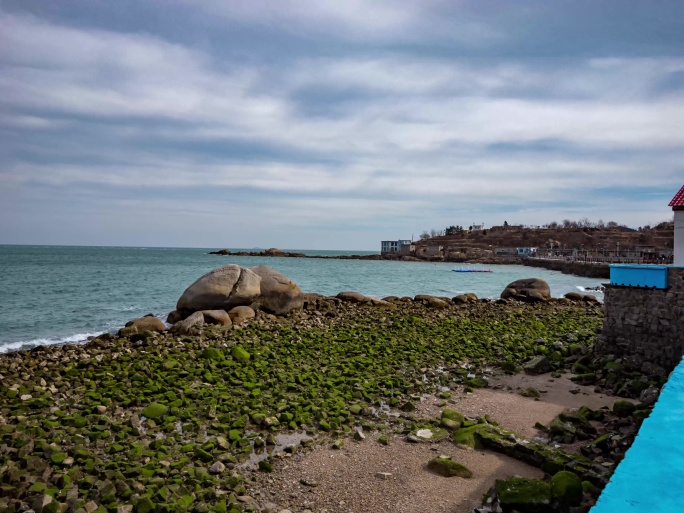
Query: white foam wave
29, 344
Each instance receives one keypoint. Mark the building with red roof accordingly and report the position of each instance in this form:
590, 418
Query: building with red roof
677, 205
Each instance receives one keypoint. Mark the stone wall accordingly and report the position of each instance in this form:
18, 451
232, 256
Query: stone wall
645, 324
589, 270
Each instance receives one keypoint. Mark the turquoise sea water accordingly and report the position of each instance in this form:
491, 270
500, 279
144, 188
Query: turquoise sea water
651, 477
55, 294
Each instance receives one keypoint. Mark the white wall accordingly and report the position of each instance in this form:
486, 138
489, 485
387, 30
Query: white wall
679, 238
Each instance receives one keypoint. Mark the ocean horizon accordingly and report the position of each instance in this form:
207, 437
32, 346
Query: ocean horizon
65, 294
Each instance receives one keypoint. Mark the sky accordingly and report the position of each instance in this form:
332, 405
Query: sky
316, 124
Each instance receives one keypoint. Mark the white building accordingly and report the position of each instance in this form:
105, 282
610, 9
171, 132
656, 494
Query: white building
677, 205
395, 246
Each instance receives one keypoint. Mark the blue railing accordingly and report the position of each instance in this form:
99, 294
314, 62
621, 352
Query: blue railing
646, 276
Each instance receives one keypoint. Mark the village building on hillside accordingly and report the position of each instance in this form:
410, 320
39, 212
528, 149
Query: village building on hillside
397, 247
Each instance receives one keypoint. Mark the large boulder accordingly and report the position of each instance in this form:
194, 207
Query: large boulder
528, 289
221, 289
279, 294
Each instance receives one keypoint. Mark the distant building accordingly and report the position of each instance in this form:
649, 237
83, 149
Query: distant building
506, 251
677, 205
400, 247
526, 252
477, 227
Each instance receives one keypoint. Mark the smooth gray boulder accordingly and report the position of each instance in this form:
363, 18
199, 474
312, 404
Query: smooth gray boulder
528, 289
221, 289
279, 294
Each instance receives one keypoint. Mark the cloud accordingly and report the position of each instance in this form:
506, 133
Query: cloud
365, 137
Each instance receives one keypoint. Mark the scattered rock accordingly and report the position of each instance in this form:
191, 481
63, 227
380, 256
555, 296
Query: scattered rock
445, 466
219, 317
241, 314
537, 365
217, 468
147, 323
190, 325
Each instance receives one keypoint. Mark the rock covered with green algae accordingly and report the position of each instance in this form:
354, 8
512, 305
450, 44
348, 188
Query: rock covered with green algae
523, 495
445, 466
566, 488
83, 404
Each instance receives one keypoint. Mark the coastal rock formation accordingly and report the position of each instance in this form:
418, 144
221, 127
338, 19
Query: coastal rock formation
528, 289
221, 289
279, 294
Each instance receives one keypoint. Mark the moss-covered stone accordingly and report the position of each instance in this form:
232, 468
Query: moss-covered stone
530, 392
453, 415
524, 495
239, 354
623, 408
566, 487
155, 410
445, 466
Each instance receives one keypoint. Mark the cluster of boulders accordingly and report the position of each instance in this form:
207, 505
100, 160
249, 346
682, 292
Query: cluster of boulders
232, 294
532, 290
225, 296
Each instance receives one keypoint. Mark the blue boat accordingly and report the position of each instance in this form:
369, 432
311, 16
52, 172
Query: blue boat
472, 270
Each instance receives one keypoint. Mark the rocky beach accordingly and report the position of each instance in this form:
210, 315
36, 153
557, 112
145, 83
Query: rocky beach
262, 398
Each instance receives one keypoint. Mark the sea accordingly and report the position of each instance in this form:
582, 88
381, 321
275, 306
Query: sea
65, 294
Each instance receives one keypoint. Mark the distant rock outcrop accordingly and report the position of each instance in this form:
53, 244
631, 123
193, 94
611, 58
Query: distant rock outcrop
528, 289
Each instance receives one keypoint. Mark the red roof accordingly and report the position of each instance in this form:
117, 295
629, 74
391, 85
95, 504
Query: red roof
678, 200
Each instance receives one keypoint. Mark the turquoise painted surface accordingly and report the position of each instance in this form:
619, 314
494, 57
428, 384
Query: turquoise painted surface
651, 276
651, 477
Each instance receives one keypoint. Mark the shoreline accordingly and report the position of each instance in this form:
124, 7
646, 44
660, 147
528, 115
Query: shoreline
139, 416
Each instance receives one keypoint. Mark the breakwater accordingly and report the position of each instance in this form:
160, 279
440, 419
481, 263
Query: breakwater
586, 269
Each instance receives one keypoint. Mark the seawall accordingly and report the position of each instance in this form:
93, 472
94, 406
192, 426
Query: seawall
589, 270
645, 324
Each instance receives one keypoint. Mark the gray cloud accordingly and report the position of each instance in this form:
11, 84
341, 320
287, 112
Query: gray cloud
373, 138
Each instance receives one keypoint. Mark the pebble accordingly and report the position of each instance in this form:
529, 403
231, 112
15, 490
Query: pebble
217, 468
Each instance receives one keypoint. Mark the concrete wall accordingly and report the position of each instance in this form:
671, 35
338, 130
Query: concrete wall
647, 324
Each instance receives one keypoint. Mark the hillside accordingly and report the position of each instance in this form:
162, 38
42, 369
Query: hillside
590, 242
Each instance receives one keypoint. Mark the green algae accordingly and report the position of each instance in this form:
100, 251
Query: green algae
566, 487
155, 410
270, 378
445, 466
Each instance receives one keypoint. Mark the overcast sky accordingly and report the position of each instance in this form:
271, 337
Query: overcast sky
322, 124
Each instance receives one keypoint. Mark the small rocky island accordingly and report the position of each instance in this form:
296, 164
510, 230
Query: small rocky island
258, 397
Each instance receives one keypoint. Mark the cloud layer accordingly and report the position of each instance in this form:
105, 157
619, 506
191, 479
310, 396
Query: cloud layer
330, 125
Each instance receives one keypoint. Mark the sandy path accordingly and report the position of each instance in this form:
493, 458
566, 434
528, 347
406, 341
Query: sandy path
347, 480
